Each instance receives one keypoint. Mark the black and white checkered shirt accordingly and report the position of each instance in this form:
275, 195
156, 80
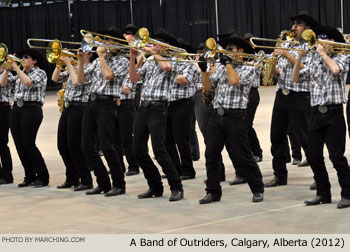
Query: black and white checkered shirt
77, 93
326, 88
5, 92
229, 96
256, 80
132, 87
181, 91
156, 82
35, 92
99, 85
285, 76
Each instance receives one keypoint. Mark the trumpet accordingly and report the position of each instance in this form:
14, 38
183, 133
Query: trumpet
4, 56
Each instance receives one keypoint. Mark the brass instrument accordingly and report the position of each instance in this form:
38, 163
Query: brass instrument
60, 100
54, 51
346, 36
4, 56
93, 39
142, 40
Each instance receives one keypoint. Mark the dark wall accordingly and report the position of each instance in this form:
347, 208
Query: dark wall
194, 20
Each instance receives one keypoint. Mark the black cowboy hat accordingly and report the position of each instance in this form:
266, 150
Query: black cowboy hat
166, 35
130, 28
306, 17
239, 42
331, 33
35, 54
228, 33
200, 46
184, 44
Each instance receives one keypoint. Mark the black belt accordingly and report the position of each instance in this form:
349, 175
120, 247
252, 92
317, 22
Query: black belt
223, 111
97, 97
127, 101
289, 91
21, 103
68, 104
180, 100
325, 108
146, 104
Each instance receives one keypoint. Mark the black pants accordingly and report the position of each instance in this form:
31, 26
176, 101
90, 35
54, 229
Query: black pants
294, 145
24, 125
126, 124
254, 100
99, 119
288, 111
152, 121
203, 113
230, 129
329, 129
69, 145
194, 144
5, 155
178, 136
348, 112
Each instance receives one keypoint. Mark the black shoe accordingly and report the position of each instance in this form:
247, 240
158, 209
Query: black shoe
176, 195
131, 173
304, 163
96, 190
343, 203
24, 184
150, 193
4, 182
187, 177
66, 185
313, 186
39, 183
296, 161
275, 182
318, 200
237, 181
114, 192
210, 198
258, 197
83, 187
258, 159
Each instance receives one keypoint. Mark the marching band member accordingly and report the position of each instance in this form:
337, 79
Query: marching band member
327, 72
70, 125
291, 107
227, 125
107, 74
27, 114
157, 77
6, 176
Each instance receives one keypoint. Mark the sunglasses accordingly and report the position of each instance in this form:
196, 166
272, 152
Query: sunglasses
322, 36
298, 22
26, 57
128, 33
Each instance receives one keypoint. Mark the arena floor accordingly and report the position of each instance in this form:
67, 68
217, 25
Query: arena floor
51, 211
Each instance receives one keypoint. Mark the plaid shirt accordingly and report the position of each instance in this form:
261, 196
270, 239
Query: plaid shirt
99, 85
132, 87
77, 93
34, 92
156, 82
285, 76
326, 88
181, 91
5, 92
256, 80
229, 96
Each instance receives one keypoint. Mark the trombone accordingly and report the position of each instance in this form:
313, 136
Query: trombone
93, 39
4, 56
54, 50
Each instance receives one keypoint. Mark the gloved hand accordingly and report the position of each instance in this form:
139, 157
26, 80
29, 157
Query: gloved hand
202, 64
224, 59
